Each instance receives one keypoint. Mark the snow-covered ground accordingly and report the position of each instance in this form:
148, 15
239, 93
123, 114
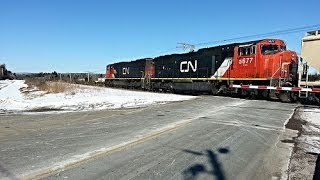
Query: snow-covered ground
310, 138
84, 98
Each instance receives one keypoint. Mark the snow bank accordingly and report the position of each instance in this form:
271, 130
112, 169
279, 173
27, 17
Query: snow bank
311, 135
312, 116
85, 98
10, 95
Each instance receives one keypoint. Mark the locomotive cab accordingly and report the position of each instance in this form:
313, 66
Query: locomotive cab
267, 59
277, 63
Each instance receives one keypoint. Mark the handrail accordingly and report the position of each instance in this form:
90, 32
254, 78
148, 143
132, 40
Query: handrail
280, 67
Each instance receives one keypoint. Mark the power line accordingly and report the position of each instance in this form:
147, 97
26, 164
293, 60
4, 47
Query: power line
163, 52
280, 32
261, 35
186, 46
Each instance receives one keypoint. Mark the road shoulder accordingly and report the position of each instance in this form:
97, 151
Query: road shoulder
304, 156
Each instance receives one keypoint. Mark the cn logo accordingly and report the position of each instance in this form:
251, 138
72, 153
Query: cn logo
186, 65
125, 71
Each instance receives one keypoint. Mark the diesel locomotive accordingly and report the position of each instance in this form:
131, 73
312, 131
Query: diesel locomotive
262, 68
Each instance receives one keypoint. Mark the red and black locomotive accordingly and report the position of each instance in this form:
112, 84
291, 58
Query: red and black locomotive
263, 68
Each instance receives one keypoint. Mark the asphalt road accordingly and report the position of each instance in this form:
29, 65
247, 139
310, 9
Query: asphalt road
206, 138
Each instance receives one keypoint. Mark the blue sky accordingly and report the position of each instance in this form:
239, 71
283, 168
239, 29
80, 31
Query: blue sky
83, 35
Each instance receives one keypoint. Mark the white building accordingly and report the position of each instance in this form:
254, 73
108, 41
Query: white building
310, 49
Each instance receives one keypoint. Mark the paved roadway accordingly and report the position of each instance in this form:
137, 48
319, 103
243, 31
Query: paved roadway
206, 138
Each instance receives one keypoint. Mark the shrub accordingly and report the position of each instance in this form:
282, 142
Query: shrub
50, 87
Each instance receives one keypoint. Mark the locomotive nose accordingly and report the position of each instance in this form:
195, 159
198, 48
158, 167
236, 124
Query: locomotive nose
290, 56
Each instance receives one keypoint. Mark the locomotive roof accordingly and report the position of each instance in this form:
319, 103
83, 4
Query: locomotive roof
212, 47
199, 50
137, 60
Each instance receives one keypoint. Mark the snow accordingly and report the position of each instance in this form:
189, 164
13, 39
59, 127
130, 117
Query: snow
311, 144
84, 98
311, 136
312, 116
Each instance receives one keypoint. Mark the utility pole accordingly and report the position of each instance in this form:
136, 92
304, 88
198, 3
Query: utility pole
70, 77
88, 77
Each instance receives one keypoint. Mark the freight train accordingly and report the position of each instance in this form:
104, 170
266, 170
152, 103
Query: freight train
263, 68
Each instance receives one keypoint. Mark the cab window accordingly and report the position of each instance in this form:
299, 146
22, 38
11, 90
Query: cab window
269, 49
247, 50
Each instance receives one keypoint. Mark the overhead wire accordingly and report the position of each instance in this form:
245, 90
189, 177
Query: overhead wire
260, 35
280, 32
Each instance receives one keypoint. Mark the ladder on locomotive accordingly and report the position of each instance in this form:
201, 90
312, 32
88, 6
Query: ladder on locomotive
303, 80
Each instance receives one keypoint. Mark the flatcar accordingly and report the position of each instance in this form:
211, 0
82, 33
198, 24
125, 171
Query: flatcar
261, 68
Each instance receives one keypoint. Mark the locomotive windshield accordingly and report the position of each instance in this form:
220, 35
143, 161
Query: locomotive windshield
269, 49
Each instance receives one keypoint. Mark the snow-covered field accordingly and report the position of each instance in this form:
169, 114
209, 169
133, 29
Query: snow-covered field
84, 98
311, 135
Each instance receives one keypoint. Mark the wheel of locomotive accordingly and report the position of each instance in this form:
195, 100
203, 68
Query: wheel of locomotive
248, 93
234, 92
263, 94
285, 96
294, 97
214, 89
242, 93
171, 89
313, 100
223, 90
253, 94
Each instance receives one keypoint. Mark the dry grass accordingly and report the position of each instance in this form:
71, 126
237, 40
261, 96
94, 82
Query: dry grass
51, 87
59, 87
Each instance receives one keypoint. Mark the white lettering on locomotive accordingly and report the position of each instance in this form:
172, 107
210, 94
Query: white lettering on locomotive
245, 61
186, 65
125, 71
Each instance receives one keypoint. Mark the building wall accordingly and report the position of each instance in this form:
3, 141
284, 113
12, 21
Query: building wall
310, 49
